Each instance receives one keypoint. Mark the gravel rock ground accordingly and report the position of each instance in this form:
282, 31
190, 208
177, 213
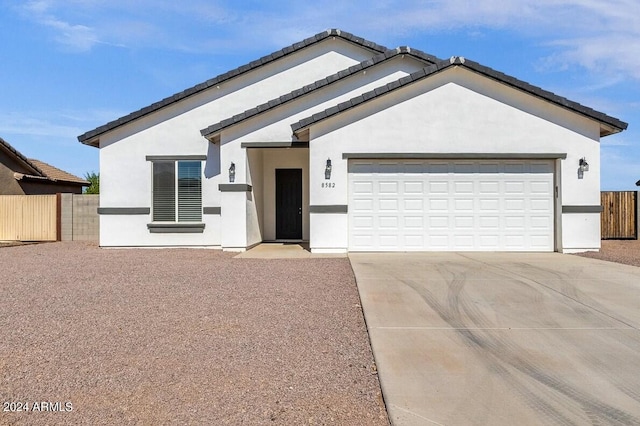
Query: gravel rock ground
620, 251
181, 336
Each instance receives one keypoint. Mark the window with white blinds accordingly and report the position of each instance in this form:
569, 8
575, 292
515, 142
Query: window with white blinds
179, 198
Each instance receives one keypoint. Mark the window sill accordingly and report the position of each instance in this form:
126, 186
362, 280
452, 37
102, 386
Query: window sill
176, 228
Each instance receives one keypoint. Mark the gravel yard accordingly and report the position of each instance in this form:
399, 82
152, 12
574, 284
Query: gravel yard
183, 337
620, 251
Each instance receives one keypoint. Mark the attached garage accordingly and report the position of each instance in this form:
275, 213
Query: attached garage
451, 205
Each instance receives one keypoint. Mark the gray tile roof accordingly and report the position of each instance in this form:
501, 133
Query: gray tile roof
87, 138
615, 123
274, 103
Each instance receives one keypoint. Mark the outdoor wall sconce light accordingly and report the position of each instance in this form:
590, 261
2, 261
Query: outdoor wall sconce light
232, 172
583, 166
583, 163
327, 169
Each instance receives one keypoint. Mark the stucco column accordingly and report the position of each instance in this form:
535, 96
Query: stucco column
234, 216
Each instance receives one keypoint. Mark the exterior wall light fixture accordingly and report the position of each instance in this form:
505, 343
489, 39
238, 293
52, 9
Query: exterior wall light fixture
583, 163
232, 172
327, 169
583, 166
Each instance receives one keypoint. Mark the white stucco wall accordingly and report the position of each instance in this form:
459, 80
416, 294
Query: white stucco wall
175, 130
458, 111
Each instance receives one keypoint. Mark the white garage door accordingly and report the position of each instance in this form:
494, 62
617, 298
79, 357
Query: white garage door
466, 205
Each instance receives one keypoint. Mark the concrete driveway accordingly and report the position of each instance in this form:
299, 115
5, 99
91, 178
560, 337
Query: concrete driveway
503, 338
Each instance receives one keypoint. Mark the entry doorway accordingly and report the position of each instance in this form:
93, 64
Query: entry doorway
288, 204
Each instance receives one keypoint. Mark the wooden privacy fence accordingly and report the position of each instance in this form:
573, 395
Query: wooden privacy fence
619, 218
28, 217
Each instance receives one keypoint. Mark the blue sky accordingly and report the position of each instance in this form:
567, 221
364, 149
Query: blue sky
68, 66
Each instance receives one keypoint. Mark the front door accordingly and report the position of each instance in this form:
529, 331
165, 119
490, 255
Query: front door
288, 204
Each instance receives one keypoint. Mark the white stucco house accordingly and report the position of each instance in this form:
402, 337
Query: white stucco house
350, 146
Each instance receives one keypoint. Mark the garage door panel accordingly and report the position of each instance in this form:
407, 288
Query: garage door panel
414, 187
412, 205
514, 187
389, 242
462, 204
362, 222
514, 205
464, 242
437, 168
488, 205
451, 205
464, 187
464, 168
387, 187
489, 241
438, 187
439, 222
438, 204
388, 223
414, 222
540, 187
462, 222
362, 204
540, 205
489, 187
414, 242
388, 205
489, 168
362, 188
489, 223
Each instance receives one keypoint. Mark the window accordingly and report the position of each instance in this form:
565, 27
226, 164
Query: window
179, 198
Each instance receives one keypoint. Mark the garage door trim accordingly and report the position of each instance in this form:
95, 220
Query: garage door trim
485, 217
450, 156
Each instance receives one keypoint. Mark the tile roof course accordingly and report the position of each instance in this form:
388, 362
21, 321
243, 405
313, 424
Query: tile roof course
88, 136
473, 66
57, 174
274, 103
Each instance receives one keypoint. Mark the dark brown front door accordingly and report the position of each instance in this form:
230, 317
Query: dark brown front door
288, 204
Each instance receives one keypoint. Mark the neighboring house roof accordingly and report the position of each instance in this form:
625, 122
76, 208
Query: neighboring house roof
274, 103
614, 125
20, 158
57, 174
87, 138
39, 170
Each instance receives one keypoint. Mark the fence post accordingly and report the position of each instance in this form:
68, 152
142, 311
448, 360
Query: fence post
58, 216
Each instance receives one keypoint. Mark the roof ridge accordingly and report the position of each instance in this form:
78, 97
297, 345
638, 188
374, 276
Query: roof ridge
318, 84
473, 66
87, 136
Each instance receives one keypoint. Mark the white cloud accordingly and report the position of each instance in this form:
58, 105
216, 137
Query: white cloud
60, 125
73, 36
